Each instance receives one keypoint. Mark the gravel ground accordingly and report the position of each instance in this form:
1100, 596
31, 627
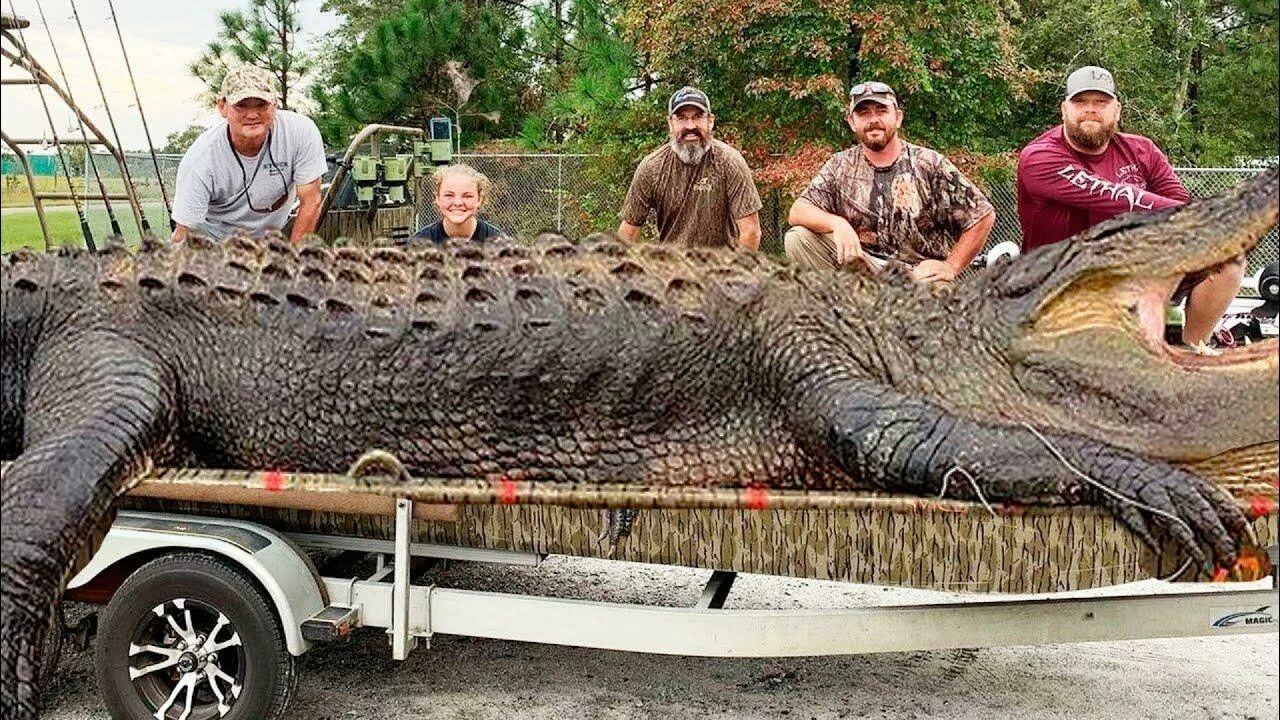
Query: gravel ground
474, 678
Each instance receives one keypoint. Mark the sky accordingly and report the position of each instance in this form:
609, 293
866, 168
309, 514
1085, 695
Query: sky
162, 37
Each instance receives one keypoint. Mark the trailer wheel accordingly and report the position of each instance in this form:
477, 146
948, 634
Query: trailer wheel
192, 636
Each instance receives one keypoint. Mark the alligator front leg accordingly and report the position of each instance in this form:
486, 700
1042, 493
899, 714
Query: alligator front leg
91, 421
903, 444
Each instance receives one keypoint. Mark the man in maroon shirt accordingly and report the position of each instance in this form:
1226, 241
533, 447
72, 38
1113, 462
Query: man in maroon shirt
1083, 171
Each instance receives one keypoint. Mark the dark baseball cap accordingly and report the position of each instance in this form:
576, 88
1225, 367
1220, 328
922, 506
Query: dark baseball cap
873, 91
688, 96
1090, 77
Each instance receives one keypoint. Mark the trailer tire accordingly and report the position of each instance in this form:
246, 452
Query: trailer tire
190, 627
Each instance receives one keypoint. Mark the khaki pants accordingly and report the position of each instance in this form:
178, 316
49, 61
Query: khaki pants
813, 251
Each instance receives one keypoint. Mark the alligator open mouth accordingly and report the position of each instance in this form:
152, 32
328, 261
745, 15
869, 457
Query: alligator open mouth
1147, 308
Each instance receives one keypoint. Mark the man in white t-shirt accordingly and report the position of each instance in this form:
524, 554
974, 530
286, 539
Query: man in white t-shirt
245, 173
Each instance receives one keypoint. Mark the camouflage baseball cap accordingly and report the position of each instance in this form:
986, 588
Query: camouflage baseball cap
876, 92
248, 81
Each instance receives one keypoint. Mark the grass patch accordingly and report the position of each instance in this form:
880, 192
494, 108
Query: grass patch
16, 193
22, 228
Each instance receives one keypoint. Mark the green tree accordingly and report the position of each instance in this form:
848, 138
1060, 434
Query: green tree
433, 57
265, 35
1237, 85
587, 71
359, 17
1198, 76
179, 140
778, 73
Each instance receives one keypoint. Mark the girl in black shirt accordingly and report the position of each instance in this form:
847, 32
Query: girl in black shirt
460, 191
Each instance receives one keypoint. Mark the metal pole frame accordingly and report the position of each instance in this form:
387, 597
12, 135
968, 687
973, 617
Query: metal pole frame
31, 183
343, 165
85, 231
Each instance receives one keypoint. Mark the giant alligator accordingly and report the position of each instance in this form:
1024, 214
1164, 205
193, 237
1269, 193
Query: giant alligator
1042, 380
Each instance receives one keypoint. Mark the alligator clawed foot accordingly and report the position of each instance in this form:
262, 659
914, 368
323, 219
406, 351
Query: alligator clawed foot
1202, 519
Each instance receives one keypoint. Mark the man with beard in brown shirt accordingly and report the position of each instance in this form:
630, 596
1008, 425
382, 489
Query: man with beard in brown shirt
887, 200
700, 187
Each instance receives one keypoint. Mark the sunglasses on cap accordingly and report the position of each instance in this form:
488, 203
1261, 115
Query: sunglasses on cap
863, 88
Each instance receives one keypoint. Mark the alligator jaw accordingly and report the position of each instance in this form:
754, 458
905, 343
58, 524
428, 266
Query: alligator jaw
1146, 308
1138, 264
1092, 358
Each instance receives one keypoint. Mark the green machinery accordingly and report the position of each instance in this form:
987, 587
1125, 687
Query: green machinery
382, 180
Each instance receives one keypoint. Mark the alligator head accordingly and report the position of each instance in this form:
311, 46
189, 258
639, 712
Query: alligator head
1080, 326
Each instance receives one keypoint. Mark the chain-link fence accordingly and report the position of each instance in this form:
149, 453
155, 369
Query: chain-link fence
146, 184
532, 194
569, 194
539, 193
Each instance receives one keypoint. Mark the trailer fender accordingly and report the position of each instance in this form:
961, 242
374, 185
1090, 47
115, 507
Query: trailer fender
284, 571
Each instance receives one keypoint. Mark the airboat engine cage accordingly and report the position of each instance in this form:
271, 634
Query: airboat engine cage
15, 50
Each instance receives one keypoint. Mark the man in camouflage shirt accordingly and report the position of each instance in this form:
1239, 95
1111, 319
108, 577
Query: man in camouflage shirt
888, 200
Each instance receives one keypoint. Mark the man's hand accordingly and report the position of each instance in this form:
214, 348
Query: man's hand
848, 247
933, 271
628, 232
309, 201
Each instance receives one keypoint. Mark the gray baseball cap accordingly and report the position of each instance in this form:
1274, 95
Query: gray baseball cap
248, 81
1091, 77
688, 96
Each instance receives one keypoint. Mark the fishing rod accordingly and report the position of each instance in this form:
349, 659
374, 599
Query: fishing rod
155, 161
57, 143
131, 190
88, 151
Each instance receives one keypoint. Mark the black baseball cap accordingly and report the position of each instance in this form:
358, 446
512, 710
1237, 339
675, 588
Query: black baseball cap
688, 96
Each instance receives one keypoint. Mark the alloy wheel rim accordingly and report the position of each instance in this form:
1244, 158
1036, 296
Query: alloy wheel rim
186, 661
